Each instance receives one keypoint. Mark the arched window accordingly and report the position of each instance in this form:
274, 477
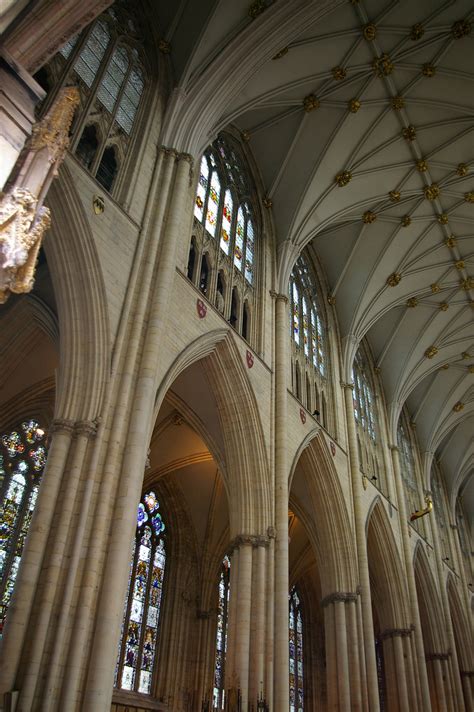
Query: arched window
106, 61
407, 462
22, 460
296, 653
140, 630
221, 636
364, 407
223, 204
307, 324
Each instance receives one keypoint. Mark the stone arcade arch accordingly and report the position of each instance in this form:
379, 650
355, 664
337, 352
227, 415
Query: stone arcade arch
464, 652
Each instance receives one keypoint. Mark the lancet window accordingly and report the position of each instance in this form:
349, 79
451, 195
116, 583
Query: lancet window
308, 337
221, 636
223, 251
296, 653
141, 625
23, 454
364, 404
106, 61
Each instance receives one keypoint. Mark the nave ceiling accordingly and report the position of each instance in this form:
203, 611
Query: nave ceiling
361, 126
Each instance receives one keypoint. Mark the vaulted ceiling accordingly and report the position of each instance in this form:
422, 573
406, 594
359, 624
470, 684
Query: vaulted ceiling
361, 122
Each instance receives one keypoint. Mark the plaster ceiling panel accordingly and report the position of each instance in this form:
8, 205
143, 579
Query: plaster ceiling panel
380, 333
460, 151
175, 443
432, 137
420, 392
334, 246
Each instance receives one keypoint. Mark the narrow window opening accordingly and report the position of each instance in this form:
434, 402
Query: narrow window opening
245, 321
191, 259
234, 309
87, 146
204, 276
107, 169
220, 300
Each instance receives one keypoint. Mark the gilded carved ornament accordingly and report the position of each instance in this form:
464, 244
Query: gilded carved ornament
469, 197
422, 166
394, 196
383, 66
451, 241
442, 218
444, 306
339, 73
459, 264
370, 31
471, 368
432, 191
331, 300
462, 169
245, 135
465, 355
467, 284
428, 70
23, 220
267, 202
435, 288
354, 106
369, 217
343, 178
164, 46
406, 221
310, 103
431, 352
457, 407
394, 279
281, 53
409, 133
412, 302
444, 367
398, 102
256, 8
417, 32
460, 29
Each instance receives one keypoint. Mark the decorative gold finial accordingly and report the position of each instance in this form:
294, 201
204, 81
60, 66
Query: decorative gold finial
343, 178
281, 53
370, 31
412, 302
442, 218
457, 407
459, 264
444, 306
432, 191
451, 241
435, 288
428, 70
398, 102
394, 279
311, 102
422, 166
406, 221
469, 197
394, 196
462, 170
339, 73
417, 32
460, 29
164, 46
369, 217
431, 352
383, 66
409, 133
354, 106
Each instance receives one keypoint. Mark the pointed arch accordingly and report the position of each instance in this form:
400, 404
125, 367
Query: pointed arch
461, 627
386, 573
429, 603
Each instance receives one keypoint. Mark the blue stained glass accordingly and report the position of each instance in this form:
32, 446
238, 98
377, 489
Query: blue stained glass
295, 642
221, 636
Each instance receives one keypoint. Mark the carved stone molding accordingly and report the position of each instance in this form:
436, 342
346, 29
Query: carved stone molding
254, 540
396, 632
88, 428
278, 296
438, 656
271, 532
339, 597
347, 385
62, 425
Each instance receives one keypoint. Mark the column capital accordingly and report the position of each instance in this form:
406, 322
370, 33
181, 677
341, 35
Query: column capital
394, 448
278, 297
168, 151
62, 424
347, 385
438, 656
88, 428
339, 597
254, 540
271, 532
395, 632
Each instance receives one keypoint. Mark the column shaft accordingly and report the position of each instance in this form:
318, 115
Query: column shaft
354, 661
342, 659
441, 695
242, 643
401, 673
331, 660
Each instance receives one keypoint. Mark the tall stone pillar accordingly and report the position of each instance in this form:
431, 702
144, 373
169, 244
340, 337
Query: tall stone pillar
361, 543
281, 583
410, 575
342, 652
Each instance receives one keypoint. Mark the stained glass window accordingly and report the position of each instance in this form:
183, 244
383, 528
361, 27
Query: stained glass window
296, 653
140, 630
22, 460
130, 100
112, 79
88, 63
221, 636
232, 218
307, 325
364, 411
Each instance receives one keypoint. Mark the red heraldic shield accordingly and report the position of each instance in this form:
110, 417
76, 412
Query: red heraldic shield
201, 309
250, 359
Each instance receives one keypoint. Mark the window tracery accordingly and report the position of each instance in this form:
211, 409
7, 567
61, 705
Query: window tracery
226, 232
140, 629
106, 61
296, 653
308, 334
23, 455
221, 636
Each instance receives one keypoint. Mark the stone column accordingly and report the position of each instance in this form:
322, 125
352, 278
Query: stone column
269, 645
361, 543
331, 661
341, 655
435, 659
467, 676
242, 627
412, 691
353, 652
53, 572
410, 574
257, 663
232, 621
109, 613
281, 654
342, 652
400, 669
17, 624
